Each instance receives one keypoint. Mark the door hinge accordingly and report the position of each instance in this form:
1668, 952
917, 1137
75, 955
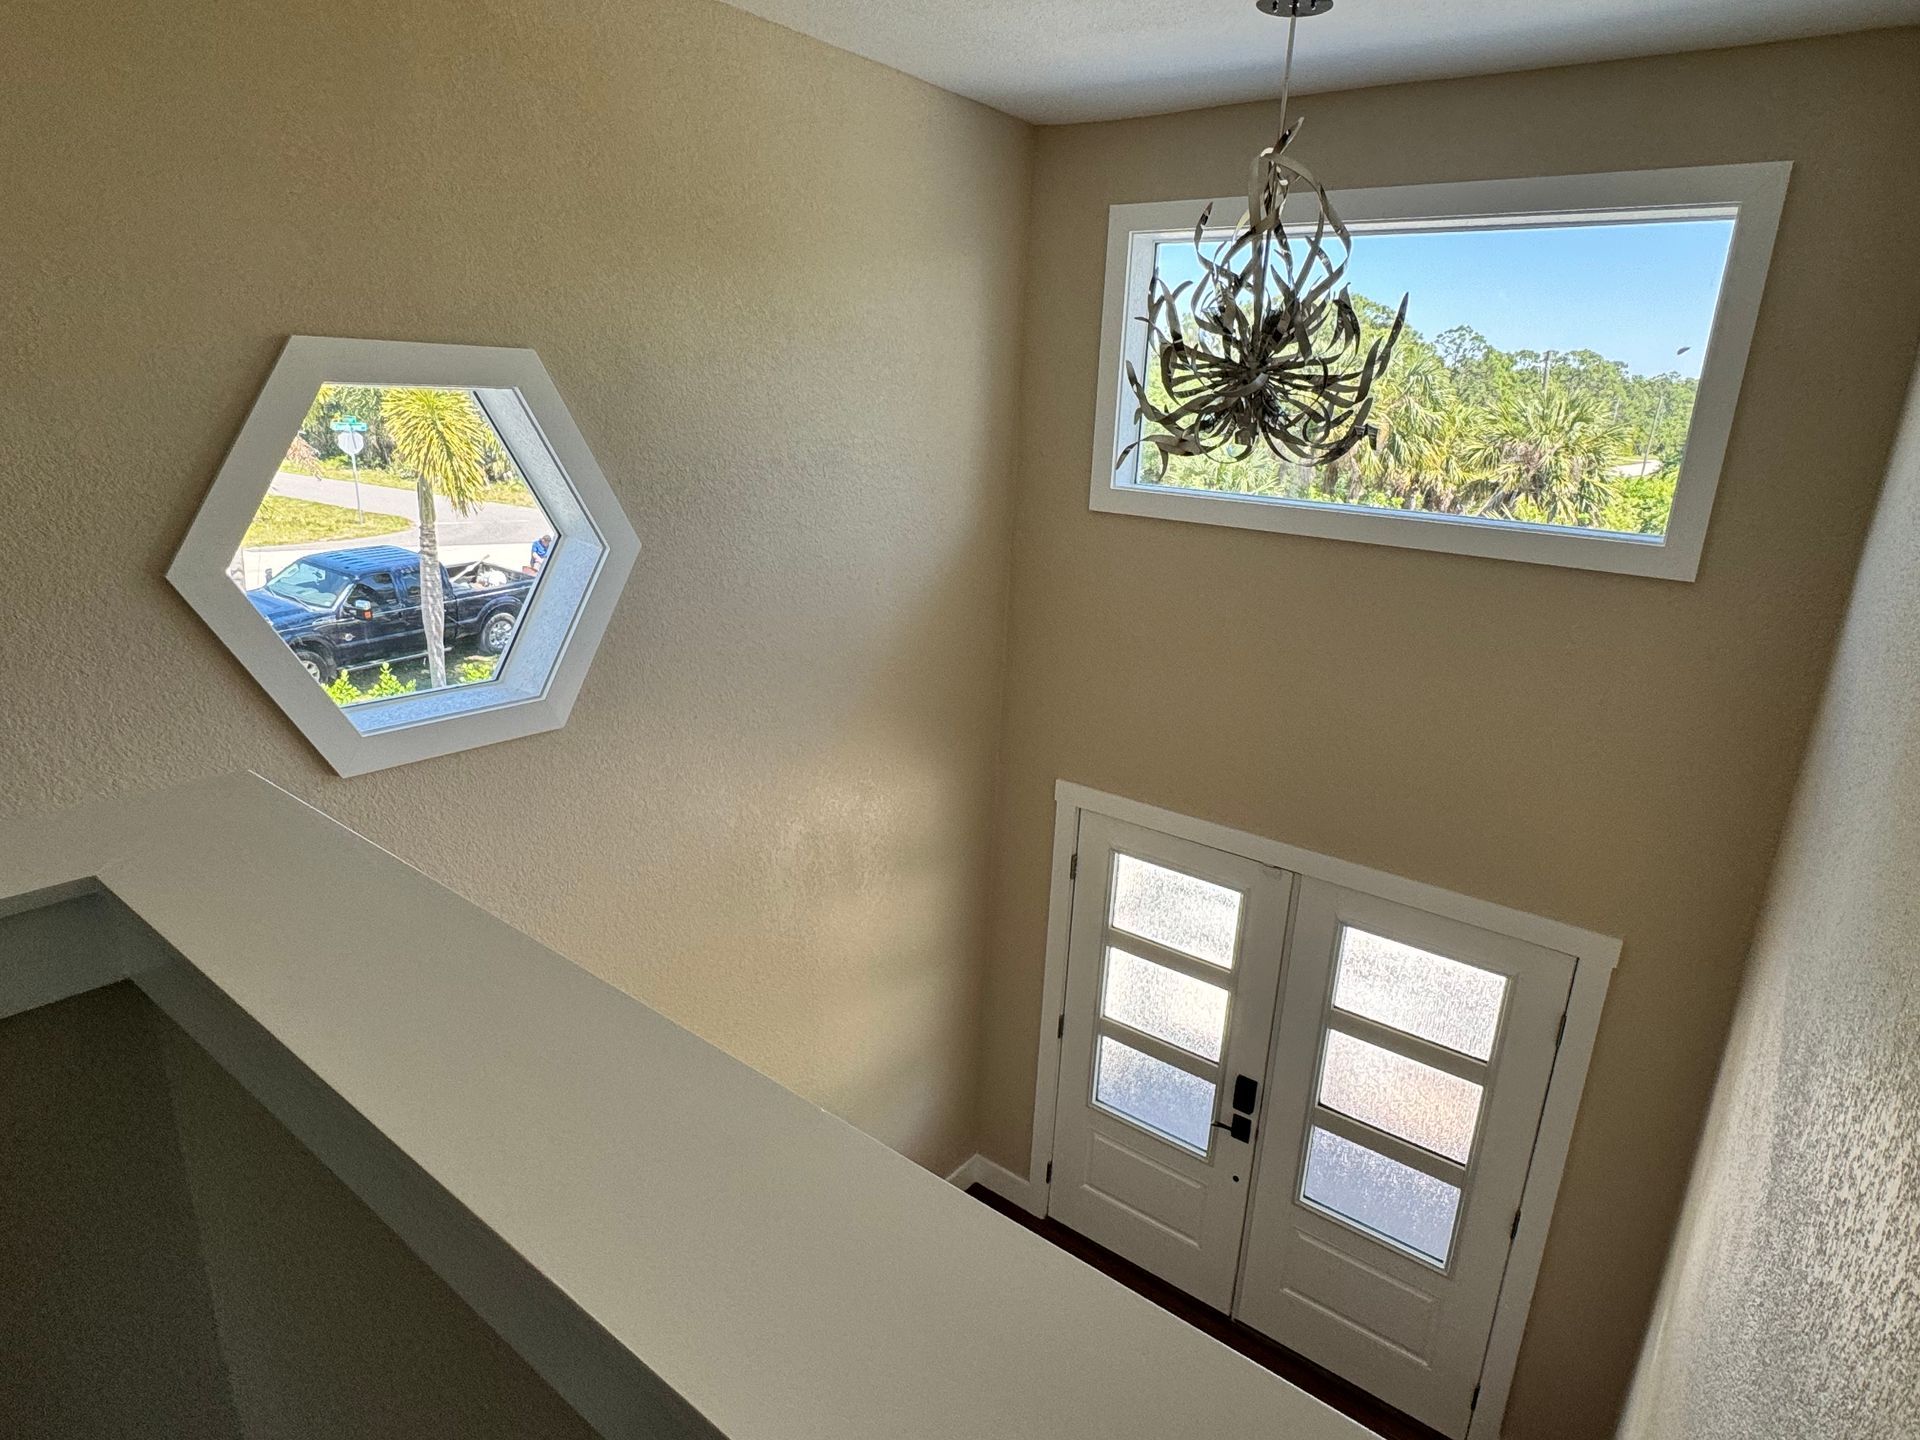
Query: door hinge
1060, 1030
1561, 1033
1049, 1172
1073, 868
1474, 1403
1515, 1231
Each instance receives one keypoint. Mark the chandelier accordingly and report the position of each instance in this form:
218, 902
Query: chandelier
1265, 348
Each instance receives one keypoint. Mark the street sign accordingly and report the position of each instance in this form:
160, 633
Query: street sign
350, 434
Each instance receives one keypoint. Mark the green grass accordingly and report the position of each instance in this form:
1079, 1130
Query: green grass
510, 492
285, 521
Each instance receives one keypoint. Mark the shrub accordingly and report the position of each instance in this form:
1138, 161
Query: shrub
385, 686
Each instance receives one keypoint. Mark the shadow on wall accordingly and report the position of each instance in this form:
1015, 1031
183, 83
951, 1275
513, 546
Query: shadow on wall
178, 1264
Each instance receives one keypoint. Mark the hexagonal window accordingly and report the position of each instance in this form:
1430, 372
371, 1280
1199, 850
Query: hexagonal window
410, 547
397, 544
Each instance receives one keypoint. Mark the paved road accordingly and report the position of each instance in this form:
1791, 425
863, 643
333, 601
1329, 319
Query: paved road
500, 533
490, 524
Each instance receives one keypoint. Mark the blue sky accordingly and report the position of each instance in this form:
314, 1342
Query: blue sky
1632, 292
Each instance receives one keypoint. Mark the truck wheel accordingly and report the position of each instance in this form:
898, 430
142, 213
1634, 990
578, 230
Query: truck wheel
497, 633
313, 665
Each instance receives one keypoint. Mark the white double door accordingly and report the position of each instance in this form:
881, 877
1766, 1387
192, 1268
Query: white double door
1305, 1106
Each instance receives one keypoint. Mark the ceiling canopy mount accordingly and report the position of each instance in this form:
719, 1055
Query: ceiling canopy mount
1293, 9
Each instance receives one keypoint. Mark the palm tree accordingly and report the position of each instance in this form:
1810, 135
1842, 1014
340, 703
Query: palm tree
1553, 454
1410, 408
440, 437
1451, 475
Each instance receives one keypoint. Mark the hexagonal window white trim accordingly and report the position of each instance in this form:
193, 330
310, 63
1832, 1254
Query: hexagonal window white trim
534, 664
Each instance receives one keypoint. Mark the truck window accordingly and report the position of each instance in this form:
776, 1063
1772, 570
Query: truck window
309, 584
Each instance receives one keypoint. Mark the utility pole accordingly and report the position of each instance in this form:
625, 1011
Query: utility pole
1659, 419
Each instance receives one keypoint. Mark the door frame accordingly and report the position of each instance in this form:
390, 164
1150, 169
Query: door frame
1594, 956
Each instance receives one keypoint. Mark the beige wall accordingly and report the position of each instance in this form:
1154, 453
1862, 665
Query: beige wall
772, 281
1791, 1306
1610, 751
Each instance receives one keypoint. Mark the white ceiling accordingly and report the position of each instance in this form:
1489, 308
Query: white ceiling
1057, 61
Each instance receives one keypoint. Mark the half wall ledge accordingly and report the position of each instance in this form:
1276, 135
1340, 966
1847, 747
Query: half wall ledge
680, 1246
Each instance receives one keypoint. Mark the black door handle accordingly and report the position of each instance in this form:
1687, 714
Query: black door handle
1240, 1127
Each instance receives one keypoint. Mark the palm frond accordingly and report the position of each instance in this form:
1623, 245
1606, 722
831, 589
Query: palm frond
441, 438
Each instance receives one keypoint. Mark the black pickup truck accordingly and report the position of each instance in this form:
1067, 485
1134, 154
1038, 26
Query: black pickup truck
341, 609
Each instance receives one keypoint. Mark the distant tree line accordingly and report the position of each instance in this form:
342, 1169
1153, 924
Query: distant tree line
1465, 428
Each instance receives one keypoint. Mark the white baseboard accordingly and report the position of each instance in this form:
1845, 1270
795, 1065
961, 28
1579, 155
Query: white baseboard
979, 1170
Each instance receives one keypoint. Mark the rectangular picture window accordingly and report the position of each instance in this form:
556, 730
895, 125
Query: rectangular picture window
1546, 375
1561, 392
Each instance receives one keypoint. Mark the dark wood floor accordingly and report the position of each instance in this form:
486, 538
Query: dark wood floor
1327, 1388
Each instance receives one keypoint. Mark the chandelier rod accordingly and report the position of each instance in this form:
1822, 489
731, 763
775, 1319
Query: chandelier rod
1286, 74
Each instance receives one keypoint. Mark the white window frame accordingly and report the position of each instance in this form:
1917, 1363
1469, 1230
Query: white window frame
1594, 956
1752, 195
558, 631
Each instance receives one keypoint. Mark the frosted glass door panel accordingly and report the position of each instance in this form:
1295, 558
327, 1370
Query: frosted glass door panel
1181, 912
1427, 995
1394, 1201
1165, 1004
1153, 1093
1421, 1105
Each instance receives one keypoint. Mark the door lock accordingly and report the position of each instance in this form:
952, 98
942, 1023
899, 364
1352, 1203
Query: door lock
1246, 1092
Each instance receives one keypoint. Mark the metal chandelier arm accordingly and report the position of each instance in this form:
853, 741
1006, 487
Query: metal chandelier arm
1266, 347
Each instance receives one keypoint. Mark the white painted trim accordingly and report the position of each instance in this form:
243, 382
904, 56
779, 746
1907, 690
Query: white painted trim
1594, 956
1591, 978
1753, 193
1053, 998
556, 634
1501, 919
977, 1169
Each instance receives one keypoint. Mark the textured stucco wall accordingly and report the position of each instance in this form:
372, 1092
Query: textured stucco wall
1791, 1306
1614, 752
771, 280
